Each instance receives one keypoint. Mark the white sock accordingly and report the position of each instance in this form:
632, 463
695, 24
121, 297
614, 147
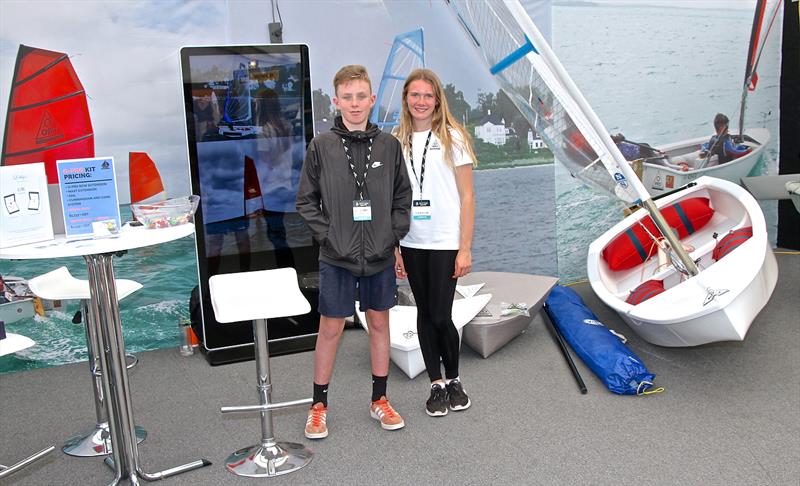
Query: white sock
448, 381
437, 383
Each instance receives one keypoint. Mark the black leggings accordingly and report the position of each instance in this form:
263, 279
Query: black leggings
430, 273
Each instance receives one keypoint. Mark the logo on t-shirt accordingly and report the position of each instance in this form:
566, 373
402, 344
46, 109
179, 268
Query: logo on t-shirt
435, 145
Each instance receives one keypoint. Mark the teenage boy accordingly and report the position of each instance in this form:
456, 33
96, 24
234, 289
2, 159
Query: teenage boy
355, 196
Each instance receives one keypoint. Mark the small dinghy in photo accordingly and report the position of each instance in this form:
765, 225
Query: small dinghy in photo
659, 176
404, 351
659, 302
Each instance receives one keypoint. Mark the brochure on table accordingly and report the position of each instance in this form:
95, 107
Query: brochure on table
89, 197
25, 212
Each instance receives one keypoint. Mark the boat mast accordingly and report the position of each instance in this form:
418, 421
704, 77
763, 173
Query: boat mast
752, 59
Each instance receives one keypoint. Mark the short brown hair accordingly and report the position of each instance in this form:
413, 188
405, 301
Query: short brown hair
351, 72
720, 121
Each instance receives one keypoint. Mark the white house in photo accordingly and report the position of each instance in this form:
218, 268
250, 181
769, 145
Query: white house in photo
535, 142
491, 129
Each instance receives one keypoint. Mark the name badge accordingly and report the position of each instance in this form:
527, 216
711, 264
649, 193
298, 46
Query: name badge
362, 210
421, 209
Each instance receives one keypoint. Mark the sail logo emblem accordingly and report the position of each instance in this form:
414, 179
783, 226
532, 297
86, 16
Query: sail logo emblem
49, 129
621, 180
105, 165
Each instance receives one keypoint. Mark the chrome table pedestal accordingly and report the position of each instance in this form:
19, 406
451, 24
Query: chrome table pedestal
269, 458
105, 307
96, 442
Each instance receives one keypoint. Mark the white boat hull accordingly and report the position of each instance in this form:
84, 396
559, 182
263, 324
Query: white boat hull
404, 348
16, 309
659, 179
680, 316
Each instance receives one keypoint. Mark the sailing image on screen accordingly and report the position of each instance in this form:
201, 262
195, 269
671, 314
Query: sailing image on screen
250, 141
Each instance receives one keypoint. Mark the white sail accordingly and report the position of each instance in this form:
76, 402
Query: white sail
528, 71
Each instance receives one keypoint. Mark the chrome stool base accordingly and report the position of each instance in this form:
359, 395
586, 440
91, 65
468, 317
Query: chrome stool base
262, 461
8, 470
97, 442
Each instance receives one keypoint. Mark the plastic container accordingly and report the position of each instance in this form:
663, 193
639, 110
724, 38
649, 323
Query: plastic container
163, 214
186, 348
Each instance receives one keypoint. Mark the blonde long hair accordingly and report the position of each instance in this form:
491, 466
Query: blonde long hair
441, 125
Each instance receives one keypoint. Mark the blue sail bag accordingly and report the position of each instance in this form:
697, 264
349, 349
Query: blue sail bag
602, 351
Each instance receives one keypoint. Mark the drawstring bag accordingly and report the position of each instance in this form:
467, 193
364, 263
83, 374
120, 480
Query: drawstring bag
729, 242
602, 350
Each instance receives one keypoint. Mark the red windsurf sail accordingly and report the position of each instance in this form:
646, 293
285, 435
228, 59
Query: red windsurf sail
48, 116
252, 188
145, 181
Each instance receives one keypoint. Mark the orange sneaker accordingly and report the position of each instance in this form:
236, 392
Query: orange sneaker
382, 411
316, 424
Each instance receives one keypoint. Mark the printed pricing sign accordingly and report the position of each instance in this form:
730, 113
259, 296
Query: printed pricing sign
25, 211
89, 197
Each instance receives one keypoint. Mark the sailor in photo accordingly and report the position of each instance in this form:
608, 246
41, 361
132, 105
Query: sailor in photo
355, 195
438, 247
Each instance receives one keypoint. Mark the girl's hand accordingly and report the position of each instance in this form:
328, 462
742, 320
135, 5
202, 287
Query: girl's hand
399, 266
463, 263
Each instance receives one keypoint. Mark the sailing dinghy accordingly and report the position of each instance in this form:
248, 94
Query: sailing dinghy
48, 118
407, 53
145, 181
237, 114
706, 295
683, 162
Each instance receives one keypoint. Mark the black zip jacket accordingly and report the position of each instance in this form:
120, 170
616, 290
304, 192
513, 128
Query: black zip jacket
327, 191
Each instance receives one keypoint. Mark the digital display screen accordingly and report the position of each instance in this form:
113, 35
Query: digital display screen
249, 121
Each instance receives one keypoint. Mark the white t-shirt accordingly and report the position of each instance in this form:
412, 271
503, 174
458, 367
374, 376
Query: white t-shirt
442, 230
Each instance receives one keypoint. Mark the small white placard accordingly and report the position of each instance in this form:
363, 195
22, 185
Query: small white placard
25, 211
468, 291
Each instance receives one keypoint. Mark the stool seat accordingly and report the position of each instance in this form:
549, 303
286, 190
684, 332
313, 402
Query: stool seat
61, 285
263, 294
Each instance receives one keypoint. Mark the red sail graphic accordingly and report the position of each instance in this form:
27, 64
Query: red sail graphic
145, 181
48, 116
252, 188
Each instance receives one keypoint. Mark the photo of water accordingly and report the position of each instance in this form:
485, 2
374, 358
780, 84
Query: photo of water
656, 74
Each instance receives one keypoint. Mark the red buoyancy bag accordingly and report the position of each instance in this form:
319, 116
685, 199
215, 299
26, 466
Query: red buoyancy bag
727, 243
644, 291
635, 245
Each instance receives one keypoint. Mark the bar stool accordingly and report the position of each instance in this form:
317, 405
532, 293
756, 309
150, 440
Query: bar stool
11, 344
259, 296
61, 285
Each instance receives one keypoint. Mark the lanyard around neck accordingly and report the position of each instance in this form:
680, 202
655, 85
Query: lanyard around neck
359, 182
421, 177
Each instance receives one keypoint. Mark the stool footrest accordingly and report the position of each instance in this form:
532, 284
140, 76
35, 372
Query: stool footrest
265, 407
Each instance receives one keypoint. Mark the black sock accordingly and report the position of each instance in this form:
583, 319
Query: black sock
378, 387
321, 394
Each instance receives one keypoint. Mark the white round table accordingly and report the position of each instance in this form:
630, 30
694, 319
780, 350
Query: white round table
98, 254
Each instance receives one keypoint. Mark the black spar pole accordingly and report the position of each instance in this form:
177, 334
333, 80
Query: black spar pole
564, 351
